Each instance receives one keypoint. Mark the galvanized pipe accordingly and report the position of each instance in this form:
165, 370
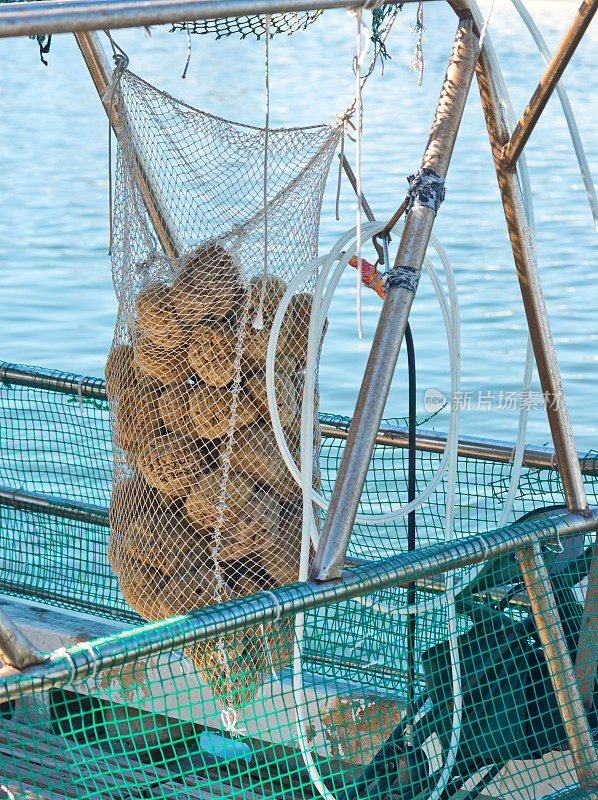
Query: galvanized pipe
558, 661
427, 441
99, 69
220, 620
533, 298
514, 147
53, 381
53, 506
399, 296
71, 16
16, 650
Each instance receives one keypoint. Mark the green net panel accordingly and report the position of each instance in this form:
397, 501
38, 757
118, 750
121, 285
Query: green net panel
59, 445
342, 721
353, 698
250, 26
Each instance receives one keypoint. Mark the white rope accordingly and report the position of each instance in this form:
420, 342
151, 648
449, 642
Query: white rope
276, 603
417, 62
361, 51
62, 652
258, 322
485, 26
96, 659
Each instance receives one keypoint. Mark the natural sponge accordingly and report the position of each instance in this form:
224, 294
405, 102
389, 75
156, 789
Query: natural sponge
257, 527
295, 329
255, 339
173, 408
210, 410
285, 393
189, 590
255, 453
156, 319
203, 500
165, 366
131, 497
172, 463
134, 419
140, 585
208, 285
120, 372
164, 541
212, 353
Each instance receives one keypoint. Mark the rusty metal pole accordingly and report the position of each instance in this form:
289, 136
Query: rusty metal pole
400, 291
15, 648
99, 69
573, 712
548, 82
532, 295
558, 661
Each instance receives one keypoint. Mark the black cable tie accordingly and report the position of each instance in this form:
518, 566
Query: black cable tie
425, 189
402, 277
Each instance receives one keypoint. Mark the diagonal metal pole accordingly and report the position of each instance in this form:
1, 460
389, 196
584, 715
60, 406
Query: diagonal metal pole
400, 291
532, 295
99, 69
586, 662
548, 83
563, 677
15, 648
558, 662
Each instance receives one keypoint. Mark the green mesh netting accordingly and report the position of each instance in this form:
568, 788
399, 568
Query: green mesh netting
368, 701
59, 445
254, 25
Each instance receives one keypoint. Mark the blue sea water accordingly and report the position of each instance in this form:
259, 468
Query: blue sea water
57, 304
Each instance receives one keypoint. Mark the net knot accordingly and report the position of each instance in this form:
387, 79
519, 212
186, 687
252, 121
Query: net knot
96, 659
121, 62
229, 718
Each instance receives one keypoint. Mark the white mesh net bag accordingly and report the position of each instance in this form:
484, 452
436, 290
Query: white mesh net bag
203, 507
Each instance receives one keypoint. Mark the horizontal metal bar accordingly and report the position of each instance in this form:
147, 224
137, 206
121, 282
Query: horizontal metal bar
70, 16
53, 381
535, 456
99, 515
54, 506
220, 620
429, 441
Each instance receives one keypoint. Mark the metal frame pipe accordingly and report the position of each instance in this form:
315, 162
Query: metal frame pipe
427, 441
53, 506
558, 416
558, 661
220, 620
400, 291
474, 447
548, 82
53, 381
71, 16
100, 72
532, 295
16, 650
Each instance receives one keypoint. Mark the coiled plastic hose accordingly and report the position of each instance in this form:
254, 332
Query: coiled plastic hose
320, 304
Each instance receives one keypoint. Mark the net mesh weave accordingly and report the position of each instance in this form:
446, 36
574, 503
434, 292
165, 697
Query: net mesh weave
203, 507
140, 729
254, 25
